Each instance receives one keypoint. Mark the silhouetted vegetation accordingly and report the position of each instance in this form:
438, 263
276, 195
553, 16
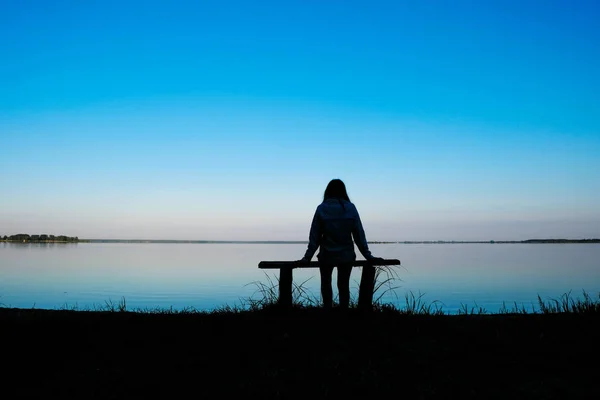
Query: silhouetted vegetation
43, 238
305, 352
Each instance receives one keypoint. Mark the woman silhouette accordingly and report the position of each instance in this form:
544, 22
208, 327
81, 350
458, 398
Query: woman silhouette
335, 223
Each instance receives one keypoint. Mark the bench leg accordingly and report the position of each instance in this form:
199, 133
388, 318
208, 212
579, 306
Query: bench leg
367, 285
285, 287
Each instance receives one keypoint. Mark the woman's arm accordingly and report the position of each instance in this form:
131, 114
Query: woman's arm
314, 238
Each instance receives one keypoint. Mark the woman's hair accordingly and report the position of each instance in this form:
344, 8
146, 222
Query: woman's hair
336, 188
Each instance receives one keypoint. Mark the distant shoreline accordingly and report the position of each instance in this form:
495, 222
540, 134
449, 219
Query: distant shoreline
43, 238
77, 240
529, 241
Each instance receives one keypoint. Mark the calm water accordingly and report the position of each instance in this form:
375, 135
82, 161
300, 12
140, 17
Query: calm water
205, 276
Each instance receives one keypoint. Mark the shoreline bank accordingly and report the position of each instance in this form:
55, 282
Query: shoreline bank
303, 352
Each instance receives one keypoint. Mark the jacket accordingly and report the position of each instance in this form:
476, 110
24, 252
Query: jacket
335, 223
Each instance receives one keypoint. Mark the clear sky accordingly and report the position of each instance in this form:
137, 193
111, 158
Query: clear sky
448, 120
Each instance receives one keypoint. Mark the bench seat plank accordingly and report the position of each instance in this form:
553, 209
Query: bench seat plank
315, 264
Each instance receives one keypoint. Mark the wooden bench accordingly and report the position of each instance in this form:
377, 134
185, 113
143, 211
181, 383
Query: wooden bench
367, 280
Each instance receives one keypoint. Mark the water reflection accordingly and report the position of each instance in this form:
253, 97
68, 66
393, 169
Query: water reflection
148, 275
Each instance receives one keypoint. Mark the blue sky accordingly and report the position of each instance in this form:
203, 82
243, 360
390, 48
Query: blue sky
448, 120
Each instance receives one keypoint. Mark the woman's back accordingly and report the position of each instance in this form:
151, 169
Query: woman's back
338, 218
335, 224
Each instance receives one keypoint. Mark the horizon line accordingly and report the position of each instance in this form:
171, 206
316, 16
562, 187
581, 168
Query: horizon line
306, 241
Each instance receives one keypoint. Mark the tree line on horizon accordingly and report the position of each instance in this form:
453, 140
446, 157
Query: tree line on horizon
23, 237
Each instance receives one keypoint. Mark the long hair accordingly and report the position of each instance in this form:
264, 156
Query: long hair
336, 188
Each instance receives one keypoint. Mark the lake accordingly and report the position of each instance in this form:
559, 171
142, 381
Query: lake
209, 275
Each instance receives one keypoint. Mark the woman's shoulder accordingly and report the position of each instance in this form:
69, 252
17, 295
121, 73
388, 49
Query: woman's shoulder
349, 203
351, 207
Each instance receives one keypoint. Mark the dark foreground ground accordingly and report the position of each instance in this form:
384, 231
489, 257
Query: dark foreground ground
302, 354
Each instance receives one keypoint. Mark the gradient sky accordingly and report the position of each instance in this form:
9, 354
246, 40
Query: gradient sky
225, 120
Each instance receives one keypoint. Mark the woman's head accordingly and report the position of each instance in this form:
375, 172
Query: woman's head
336, 188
